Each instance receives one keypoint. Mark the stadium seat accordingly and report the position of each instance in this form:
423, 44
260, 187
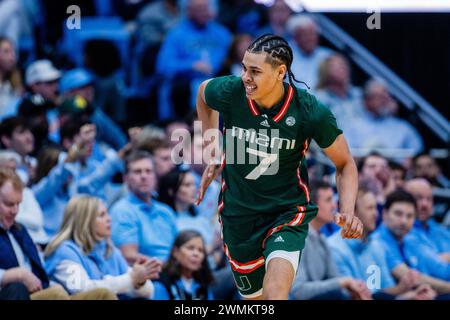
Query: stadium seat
104, 28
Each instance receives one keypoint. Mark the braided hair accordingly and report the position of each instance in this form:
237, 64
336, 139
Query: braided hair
279, 52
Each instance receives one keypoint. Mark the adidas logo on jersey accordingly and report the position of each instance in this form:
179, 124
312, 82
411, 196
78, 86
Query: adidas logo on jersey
265, 123
279, 239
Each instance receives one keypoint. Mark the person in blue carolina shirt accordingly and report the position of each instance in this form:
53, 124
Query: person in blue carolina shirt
61, 175
431, 233
193, 51
178, 190
83, 247
404, 251
141, 226
365, 258
186, 275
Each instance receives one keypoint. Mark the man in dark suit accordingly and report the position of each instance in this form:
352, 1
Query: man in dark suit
19, 261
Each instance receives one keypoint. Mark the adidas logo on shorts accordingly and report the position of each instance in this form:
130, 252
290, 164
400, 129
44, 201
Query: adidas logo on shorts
279, 239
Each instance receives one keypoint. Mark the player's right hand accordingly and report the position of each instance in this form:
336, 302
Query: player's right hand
210, 173
351, 226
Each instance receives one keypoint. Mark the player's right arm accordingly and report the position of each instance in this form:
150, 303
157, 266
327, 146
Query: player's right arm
210, 120
208, 116
214, 96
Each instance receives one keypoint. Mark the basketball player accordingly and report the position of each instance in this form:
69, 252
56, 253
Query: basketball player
265, 205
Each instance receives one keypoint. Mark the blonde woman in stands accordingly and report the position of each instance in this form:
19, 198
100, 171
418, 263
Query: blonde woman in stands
83, 247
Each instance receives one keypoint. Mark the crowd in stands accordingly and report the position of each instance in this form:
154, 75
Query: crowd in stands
93, 206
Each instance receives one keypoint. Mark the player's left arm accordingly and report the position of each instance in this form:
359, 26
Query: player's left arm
347, 185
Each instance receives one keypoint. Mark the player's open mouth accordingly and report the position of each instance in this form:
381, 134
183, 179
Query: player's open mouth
250, 89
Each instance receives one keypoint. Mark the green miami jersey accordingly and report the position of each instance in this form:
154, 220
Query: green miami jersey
264, 167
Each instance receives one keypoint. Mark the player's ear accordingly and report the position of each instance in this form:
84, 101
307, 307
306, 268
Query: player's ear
281, 72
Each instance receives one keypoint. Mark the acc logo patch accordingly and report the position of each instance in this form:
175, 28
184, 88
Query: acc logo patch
290, 121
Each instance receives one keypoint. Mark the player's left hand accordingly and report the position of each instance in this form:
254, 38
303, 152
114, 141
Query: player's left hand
351, 226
